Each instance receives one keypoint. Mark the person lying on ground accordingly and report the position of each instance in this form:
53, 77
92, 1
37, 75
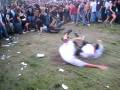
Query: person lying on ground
88, 50
67, 52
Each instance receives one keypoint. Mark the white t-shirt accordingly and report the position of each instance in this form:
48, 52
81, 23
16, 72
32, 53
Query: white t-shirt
67, 52
87, 51
107, 4
93, 6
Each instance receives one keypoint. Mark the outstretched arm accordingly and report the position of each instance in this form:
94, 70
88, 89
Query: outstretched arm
102, 67
79, 38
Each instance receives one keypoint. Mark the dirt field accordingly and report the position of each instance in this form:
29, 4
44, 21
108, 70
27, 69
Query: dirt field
43, 74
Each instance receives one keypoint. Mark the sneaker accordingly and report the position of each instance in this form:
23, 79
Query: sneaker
76, 34
7, 39
88, 25
24, 32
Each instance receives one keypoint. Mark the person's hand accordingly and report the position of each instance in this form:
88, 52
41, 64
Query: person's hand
102, 67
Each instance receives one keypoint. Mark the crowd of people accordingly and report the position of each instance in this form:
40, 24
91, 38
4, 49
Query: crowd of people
22, 18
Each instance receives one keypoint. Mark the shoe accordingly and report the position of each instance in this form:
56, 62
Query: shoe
88, 25
76, 34
111, 25
7, 39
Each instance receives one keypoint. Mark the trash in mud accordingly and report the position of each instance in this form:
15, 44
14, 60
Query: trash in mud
40, 55
7, 45
19, 74
15, 42
22, 68
3, 57
61, 70
107, 86
65, 87
8, 57
23, 63
18, 52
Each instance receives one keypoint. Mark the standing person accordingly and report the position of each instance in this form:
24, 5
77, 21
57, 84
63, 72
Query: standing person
87, 14
111, 13
67, 52
39, 18
3, 31
30, 16
66, 14
93, 5
99, 8
118, 12
17, 24
80, 12
73, 12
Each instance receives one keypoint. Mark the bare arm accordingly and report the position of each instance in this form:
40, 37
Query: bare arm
102, 67
111, 8
79, 38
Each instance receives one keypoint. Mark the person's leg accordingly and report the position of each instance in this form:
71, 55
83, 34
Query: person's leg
0, 32
98, 14
88, 18
83, 19
78, 18
12, 27
4, 32
113, 18
72, 18
59, 24
18, 28
93, 17
108, 13
26, 26
77, 62
75, 18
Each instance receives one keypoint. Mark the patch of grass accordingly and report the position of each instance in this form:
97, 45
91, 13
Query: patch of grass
43, 74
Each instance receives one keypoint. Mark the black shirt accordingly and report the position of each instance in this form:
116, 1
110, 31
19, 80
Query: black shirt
118, 7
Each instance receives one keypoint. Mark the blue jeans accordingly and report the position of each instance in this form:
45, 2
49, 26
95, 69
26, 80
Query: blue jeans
98, 14
79, 18
3, 32
93, 17
73, 17
85, 18
18, 28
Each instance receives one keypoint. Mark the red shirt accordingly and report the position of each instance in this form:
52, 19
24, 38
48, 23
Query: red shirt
72, 9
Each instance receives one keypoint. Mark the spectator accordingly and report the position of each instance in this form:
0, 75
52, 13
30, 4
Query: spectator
111, 12
93, 5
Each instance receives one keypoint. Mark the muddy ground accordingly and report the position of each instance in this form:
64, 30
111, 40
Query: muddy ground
43, 74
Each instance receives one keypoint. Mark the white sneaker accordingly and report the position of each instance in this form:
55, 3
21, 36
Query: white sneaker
24, 32
88, 24
7, 39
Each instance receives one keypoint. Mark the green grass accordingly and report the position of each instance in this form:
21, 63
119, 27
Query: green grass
43, 74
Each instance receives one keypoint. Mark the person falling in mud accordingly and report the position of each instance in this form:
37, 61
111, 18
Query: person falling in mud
88, 50
67, 52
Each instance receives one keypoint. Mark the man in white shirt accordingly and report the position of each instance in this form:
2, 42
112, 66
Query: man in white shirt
93, 5
67, 52
92, 51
